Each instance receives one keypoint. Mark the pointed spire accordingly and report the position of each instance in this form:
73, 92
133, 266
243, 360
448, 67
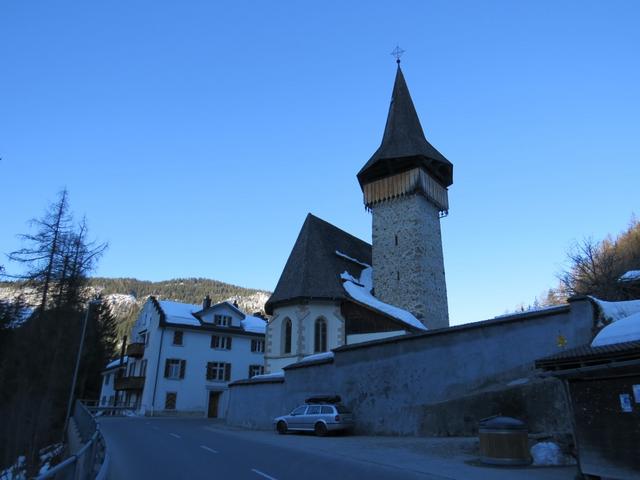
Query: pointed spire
404, 145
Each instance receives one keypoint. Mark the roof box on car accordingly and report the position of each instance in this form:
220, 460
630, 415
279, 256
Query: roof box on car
324, 399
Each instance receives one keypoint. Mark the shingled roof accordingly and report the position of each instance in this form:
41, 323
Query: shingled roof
404, 145
313, 268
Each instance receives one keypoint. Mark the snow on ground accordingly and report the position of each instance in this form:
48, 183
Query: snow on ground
25, 314
276, 374
180, 313
549, 453
630, 276
17, 471
624, 330
47, 454
254, 324
317, 356
361, 292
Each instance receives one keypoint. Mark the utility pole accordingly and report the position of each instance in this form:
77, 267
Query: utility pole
75, 371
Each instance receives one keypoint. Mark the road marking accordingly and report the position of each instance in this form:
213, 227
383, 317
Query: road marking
262, 474
204, 447
175, 435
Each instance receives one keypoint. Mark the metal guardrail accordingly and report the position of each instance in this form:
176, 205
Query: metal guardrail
91, 461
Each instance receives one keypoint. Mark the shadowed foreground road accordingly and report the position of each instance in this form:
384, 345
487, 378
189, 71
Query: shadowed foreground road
149, 448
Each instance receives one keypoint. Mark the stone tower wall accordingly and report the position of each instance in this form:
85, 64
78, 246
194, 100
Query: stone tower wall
408, 264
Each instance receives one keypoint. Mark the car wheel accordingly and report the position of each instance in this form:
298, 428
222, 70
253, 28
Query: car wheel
281, 427
320, 429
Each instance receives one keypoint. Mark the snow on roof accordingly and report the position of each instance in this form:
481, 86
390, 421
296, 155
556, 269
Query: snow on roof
613, 311
626, 329
253, 324
361, 292
344, 255
276, 374
116, 362
181, 313
317, 356
630, 276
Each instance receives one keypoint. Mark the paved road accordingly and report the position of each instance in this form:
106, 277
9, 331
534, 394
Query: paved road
142, 448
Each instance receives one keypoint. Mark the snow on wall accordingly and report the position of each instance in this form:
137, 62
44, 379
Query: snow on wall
624, 330
613, 311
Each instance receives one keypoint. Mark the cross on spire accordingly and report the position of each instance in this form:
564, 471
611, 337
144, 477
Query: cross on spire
397, 52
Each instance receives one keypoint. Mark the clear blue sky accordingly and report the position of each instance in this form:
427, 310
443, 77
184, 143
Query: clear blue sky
196, 136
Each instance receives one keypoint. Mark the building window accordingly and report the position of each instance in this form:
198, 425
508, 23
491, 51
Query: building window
177, 337
170, 401
222, 320
287, 336
396, 240
104, 400
257, 346
107, 377
220, 342
218, 371
143, 368
132, 369
174, 368
320, 343
255, 370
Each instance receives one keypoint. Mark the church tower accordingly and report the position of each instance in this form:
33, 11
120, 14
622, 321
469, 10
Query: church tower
405, 187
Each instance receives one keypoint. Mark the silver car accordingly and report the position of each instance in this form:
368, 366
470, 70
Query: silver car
319, 418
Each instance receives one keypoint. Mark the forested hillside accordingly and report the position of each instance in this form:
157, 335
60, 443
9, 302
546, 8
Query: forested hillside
125, 296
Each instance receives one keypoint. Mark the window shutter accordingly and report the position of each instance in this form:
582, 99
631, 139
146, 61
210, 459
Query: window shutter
230, 338
183, 366
166, 368
227, 372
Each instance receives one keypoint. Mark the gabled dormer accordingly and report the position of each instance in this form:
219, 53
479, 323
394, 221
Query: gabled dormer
223, 314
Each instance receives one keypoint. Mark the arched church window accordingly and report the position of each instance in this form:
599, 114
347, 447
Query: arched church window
320, 343
287, 336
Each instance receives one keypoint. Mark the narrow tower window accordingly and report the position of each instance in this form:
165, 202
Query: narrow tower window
320, 335
287, 336
398, 275
396, 240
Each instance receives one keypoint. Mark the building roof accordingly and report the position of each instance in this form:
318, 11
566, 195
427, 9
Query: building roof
404, 145
187, 315
313, 268
590, 356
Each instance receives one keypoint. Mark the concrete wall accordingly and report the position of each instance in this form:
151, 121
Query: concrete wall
385, 382
409, 272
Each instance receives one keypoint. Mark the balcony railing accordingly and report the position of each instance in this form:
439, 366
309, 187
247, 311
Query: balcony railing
129, 383
135, 350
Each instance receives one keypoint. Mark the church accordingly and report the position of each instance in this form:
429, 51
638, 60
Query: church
338, 290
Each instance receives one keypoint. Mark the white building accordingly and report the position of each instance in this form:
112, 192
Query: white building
181, 357
109, 374
323, 299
